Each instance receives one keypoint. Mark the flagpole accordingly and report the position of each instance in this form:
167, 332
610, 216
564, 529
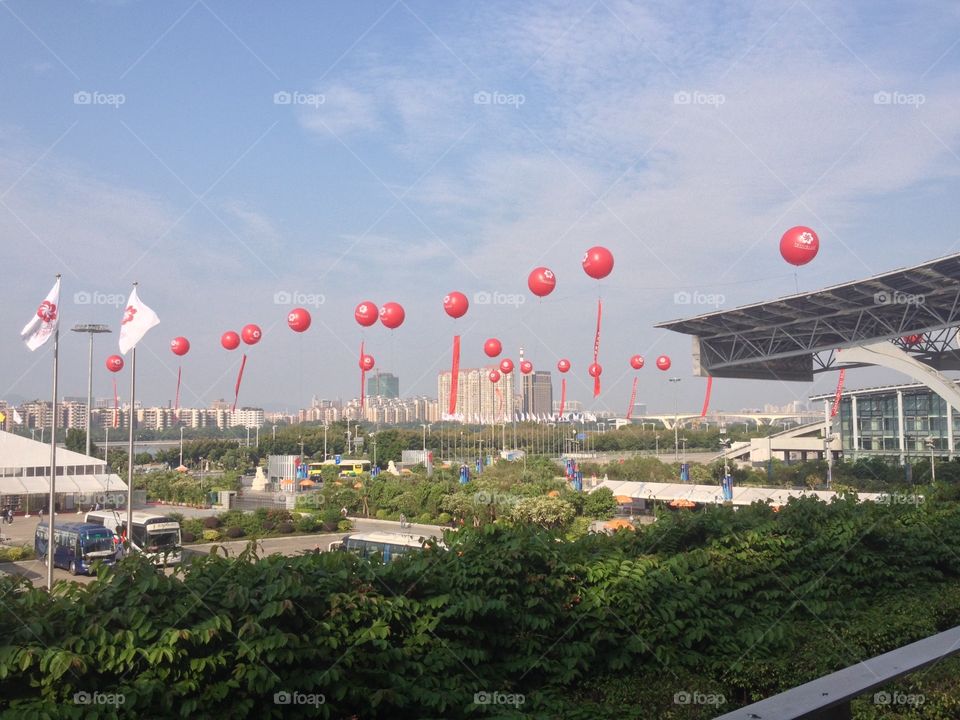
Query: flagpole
53, 455
133, 422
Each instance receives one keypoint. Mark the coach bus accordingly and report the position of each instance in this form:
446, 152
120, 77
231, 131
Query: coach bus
76, 546
389, 546
156, 536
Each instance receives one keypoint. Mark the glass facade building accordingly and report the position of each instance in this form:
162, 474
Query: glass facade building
895, 421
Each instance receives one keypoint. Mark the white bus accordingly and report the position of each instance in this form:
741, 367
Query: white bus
388, 545
156, 536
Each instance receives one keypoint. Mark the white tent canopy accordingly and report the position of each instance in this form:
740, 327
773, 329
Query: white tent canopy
703, 494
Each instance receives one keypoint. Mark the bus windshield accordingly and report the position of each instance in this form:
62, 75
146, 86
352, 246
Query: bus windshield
97, 542
161, 540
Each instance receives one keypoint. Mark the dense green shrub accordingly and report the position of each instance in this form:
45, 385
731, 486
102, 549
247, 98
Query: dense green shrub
742, 604
211, 535
306, 523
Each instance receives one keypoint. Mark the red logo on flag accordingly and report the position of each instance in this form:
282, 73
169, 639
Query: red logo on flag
128, 314
47, 311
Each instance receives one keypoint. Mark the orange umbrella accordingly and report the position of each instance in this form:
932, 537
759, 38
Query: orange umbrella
307, 483
683, 503
553, 493
358, 486
623, 500
287, 481
620, 524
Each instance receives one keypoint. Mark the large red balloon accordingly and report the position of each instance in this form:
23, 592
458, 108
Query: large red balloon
595, 370
366, 313
455, 304
114, 363
230, 340
180, 346
597, 262
367, 363
251, 334
526, 367
299, 319
663, 362
494, 376
799, 245
492, 347
563, 365
636, 362
506, 366
392, 315
541, 281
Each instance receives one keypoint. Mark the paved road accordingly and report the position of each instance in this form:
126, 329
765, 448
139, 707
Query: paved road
21, 532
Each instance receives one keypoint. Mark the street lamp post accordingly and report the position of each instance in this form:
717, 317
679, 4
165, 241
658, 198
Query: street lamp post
930, 443
90, 329
181, 446
676, 418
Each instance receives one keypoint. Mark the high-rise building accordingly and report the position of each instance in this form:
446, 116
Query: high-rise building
385, 385
478, 399
538, 393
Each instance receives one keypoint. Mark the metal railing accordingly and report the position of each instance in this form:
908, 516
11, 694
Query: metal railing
828, 697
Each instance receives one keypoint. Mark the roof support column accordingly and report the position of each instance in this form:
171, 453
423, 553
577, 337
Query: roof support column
900, 428
949, 431
855, 424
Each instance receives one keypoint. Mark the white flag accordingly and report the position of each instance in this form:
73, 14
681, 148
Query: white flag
137, 320
17, 418
44, 322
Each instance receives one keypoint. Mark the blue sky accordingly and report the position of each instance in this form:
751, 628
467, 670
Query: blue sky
433, 147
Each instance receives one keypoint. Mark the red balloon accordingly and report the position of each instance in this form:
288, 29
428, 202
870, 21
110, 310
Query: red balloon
251, 334
492, 347
526, 367
299, 319
392, 315
663, 362
636, 362
541, 281
494, 376
114, 363
506, 366
597, 262
563, 365
230, 340
367, 363
913, 340
455, 304
366, 313
180, 346
595, 370
799, 245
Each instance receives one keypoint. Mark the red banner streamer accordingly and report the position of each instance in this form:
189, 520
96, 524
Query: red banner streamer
596, 347
839, 393
363, 378
563, 395
176, 403
706, 399
454, 375
116, 403
633, 398
500, 407
236, 389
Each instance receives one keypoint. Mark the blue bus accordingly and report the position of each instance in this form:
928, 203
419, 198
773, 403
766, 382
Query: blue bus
77, 546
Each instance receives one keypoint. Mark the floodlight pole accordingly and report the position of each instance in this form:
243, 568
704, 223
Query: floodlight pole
90, 329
